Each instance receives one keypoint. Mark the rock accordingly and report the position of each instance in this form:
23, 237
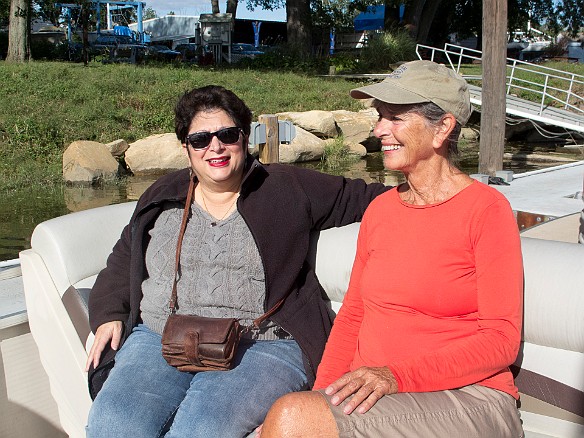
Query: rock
155, 155
118, 147
320, 123
357, 127
470, 134
357, 149
304, 147
88, 161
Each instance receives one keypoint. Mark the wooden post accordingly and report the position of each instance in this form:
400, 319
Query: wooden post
270, 150
492, 141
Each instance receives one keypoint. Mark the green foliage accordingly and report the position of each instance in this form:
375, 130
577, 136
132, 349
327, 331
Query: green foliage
344, 62
149, 13
286, 58
3, 44
4, 12
337, 155
48, 105
386, 49
338, 14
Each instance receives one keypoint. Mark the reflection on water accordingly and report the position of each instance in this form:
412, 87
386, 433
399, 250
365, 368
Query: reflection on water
20, 212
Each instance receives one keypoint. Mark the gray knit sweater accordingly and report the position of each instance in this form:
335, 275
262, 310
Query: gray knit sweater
221, 272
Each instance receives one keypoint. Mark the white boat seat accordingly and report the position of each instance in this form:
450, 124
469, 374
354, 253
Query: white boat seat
69, 251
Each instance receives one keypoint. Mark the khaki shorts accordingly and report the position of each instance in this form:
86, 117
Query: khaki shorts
472, 411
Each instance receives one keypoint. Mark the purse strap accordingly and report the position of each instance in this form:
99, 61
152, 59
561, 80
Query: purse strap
172, 305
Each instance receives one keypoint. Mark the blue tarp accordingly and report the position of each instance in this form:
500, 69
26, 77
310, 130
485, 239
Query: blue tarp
371, 19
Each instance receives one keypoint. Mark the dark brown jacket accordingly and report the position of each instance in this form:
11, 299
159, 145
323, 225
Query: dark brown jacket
281, 205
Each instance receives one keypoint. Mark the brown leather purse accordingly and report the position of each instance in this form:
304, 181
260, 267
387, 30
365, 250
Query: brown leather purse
194, 343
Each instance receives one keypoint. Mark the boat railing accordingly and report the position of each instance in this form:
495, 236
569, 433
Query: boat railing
552, 86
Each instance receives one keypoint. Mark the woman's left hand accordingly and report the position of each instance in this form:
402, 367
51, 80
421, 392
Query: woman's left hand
368, 384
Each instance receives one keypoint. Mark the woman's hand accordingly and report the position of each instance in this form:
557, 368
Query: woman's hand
109, 331
368, 385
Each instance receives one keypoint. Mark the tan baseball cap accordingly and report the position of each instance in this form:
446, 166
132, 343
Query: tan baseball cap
419, 82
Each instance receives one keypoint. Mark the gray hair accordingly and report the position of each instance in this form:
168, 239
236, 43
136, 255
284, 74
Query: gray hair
433, 115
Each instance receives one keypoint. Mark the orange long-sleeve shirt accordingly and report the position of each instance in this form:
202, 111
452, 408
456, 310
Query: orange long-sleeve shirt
435, 294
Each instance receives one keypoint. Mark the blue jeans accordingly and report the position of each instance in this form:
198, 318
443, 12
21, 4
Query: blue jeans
145, 397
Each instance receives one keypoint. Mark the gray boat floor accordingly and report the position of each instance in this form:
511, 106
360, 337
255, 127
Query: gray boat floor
552, 192
12, 303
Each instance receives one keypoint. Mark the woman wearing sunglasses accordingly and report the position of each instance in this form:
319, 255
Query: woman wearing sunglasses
244, 249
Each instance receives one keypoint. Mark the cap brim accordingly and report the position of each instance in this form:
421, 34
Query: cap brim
388, 93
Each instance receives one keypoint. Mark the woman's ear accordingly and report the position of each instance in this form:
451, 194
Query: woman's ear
443, 129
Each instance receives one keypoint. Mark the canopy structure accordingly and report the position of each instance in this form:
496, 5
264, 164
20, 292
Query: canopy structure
371, 19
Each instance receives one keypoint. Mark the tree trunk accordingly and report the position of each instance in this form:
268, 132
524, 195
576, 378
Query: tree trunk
391, 17
299, 26
413, 16
215, 6
232, 8
18, 33
84, 16
426, 20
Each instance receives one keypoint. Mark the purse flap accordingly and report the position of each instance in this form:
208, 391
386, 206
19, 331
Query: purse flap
212, 330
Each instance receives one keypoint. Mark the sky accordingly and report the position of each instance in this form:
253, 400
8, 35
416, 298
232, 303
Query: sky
197, 7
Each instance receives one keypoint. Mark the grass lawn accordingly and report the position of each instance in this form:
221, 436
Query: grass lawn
47, 105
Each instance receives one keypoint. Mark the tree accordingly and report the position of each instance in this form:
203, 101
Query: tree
47, 10
19, 31
338, 14
299, 25
569, 14
232, 8
4, 12
149, 14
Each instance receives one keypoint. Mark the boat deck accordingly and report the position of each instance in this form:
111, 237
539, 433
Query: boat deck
12, 305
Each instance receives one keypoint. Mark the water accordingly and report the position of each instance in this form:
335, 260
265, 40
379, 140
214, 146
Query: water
20, 212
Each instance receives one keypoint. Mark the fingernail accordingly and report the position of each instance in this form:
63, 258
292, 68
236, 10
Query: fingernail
328, 391
335, 400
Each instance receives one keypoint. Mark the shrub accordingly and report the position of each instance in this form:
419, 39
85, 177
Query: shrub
385, 49
337, 155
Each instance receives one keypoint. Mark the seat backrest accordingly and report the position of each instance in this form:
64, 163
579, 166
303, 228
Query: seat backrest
75, 247
550, 365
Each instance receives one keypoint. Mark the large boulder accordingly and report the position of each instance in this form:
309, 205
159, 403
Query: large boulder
89, 162
320, 123
157, 154
356, 127
304, 147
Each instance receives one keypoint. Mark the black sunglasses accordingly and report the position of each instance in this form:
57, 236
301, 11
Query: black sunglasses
202, 140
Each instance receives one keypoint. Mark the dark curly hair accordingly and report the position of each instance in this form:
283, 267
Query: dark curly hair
210, 97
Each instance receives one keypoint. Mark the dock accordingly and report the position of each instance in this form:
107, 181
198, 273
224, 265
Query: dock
553, 192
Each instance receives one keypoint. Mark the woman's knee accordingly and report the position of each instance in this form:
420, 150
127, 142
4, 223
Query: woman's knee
300, 414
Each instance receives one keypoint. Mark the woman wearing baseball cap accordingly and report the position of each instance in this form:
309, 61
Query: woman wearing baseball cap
432, 317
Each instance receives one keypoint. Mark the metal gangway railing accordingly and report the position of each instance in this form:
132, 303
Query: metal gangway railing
553, 87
